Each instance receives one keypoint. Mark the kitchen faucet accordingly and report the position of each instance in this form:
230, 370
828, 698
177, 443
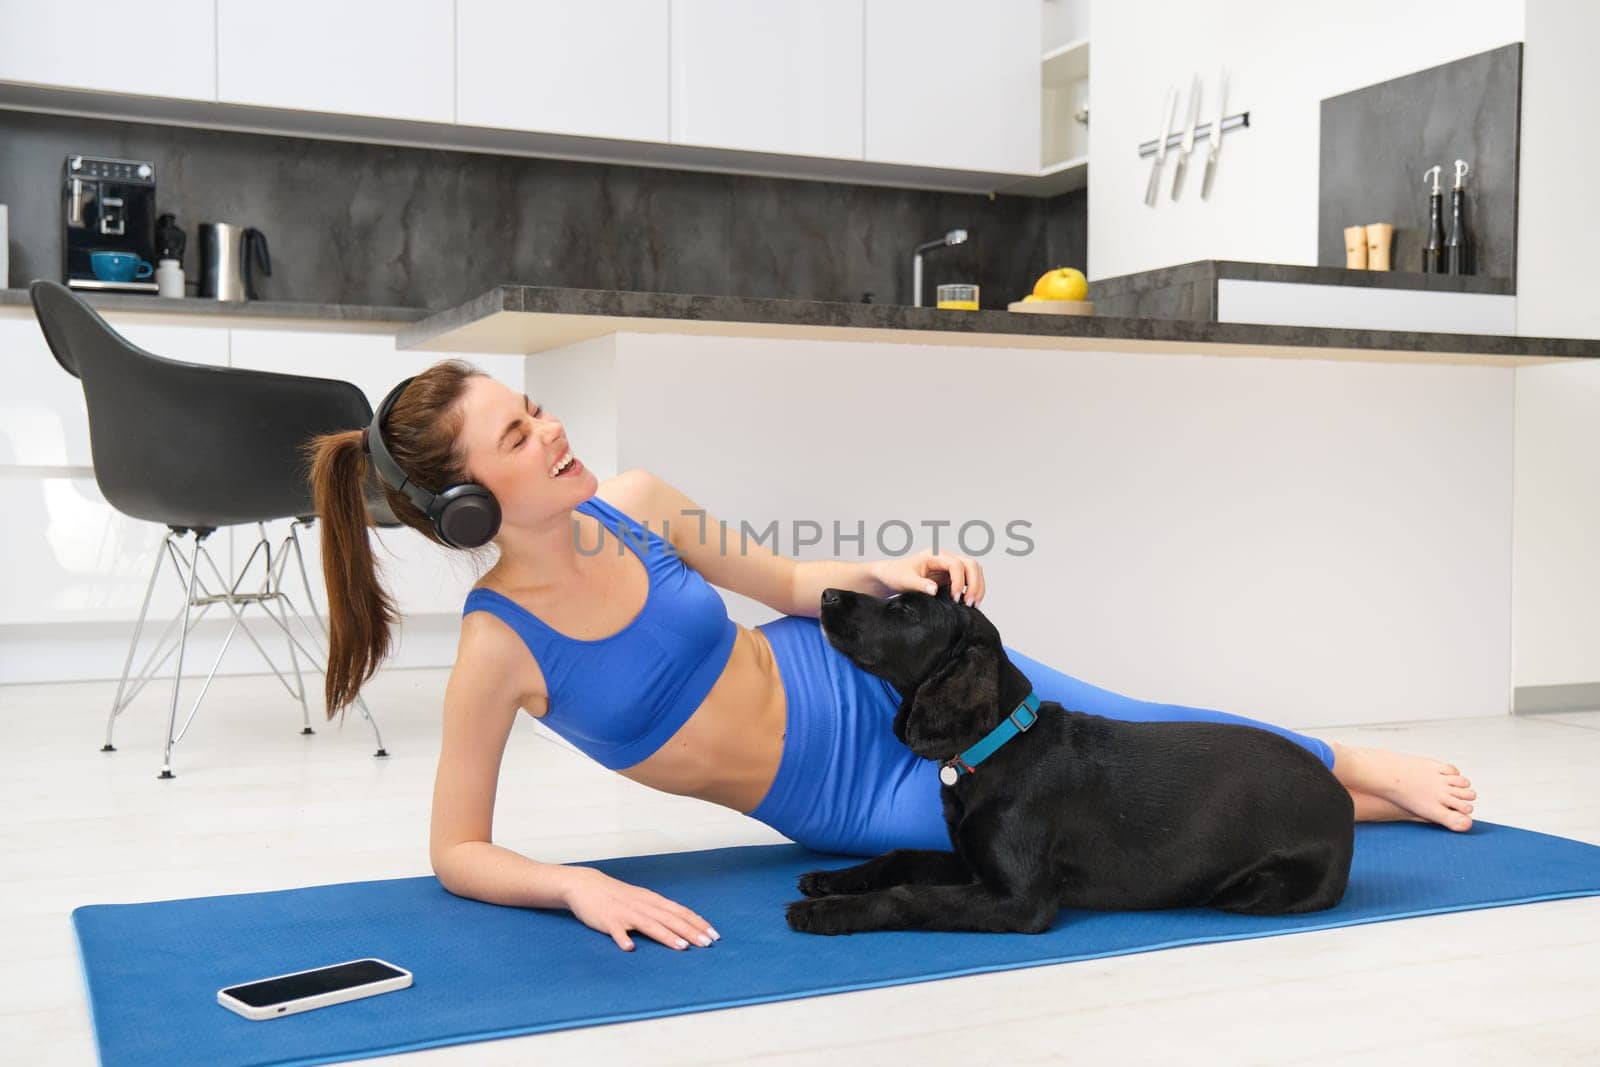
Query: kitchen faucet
954, 237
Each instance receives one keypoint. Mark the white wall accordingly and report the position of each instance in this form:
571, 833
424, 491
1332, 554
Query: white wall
1556, 601
1282, 60
1557, 591
1558, 218
578, 385
1302, 541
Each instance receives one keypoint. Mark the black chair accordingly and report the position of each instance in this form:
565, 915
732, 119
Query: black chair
196, 448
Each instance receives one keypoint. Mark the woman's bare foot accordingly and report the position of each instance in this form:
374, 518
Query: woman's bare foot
1389, 785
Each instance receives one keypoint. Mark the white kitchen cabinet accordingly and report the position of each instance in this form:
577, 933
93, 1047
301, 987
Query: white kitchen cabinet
594, 69
768, 77
106, 45
953, 84
43, 422
79, 560
423, 577
386, 58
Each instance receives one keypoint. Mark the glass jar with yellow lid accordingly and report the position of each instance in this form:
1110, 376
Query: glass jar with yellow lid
957, 297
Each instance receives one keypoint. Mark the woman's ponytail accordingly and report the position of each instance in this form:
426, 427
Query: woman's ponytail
360, 611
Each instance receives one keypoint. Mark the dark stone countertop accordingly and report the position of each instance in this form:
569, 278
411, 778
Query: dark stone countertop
272, 310
467, 327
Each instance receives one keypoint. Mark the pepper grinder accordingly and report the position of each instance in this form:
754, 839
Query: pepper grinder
1458, 250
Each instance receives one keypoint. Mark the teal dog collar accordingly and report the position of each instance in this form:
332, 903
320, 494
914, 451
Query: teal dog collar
1018, 722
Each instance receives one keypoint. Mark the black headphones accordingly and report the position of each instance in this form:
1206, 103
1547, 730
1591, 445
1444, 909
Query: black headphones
465, 515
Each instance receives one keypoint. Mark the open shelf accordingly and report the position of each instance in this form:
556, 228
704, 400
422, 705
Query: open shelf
1063, 141
1061, 66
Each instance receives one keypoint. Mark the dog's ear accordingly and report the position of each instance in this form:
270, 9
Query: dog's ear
953, 707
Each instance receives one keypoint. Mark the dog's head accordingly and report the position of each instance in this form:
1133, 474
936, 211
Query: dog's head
944, 657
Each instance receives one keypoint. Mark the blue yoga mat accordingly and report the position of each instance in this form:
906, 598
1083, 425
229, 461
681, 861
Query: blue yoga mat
483, 972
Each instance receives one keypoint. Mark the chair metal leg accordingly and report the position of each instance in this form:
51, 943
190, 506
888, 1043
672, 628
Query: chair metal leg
318, 653
177, 674
322, 654
271, 584
300, 684
236, 602
300, 558
133, 646
160, 654
366, 713
165, 647
198, 594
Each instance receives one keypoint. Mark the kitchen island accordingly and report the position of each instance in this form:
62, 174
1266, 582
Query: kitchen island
529, 319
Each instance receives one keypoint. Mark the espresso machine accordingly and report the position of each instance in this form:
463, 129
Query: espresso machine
108, 224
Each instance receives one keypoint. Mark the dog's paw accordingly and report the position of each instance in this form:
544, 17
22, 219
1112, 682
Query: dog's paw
821, 915
830, 883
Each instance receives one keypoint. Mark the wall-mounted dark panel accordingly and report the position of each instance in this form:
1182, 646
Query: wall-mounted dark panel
1378, 141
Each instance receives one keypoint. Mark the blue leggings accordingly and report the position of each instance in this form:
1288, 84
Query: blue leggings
846, 784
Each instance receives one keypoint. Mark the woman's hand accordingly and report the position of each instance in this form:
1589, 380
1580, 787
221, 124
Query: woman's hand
612, 907
921, 572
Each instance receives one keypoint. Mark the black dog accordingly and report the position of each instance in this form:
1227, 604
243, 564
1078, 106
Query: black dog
1078, 811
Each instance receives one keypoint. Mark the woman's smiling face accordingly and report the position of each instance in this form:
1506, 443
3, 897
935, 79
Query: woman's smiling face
511, 447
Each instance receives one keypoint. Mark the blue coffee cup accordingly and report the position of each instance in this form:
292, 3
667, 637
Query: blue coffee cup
119, 266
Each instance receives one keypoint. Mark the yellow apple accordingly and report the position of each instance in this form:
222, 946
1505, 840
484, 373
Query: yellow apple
1063, 283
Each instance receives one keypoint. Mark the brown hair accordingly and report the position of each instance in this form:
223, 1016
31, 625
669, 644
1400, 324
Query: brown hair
421, 433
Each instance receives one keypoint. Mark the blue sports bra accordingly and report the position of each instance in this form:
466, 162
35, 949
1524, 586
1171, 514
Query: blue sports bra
619, 698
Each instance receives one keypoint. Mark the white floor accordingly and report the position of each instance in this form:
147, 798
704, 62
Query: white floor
256, 806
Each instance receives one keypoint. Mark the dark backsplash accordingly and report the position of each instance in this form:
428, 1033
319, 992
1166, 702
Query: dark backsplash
373, 224
1378, 141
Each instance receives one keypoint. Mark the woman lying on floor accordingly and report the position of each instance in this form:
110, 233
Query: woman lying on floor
630, 655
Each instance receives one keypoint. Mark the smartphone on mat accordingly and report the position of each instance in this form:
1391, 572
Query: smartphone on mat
319, 987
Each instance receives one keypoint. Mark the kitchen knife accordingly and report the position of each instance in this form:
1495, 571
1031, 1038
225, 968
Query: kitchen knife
1188, 137
1216, 134
1152, 191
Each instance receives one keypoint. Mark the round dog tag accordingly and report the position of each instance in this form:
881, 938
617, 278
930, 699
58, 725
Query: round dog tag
948, 774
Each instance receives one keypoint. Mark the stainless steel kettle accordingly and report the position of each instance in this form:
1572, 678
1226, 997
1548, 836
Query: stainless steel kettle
229, 257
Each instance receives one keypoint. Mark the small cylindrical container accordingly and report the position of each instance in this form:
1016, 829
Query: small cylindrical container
1380, 235
169, 278
1355, 247
957, 297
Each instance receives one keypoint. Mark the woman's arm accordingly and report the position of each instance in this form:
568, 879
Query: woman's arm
759, 572
813, 576
481, 702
